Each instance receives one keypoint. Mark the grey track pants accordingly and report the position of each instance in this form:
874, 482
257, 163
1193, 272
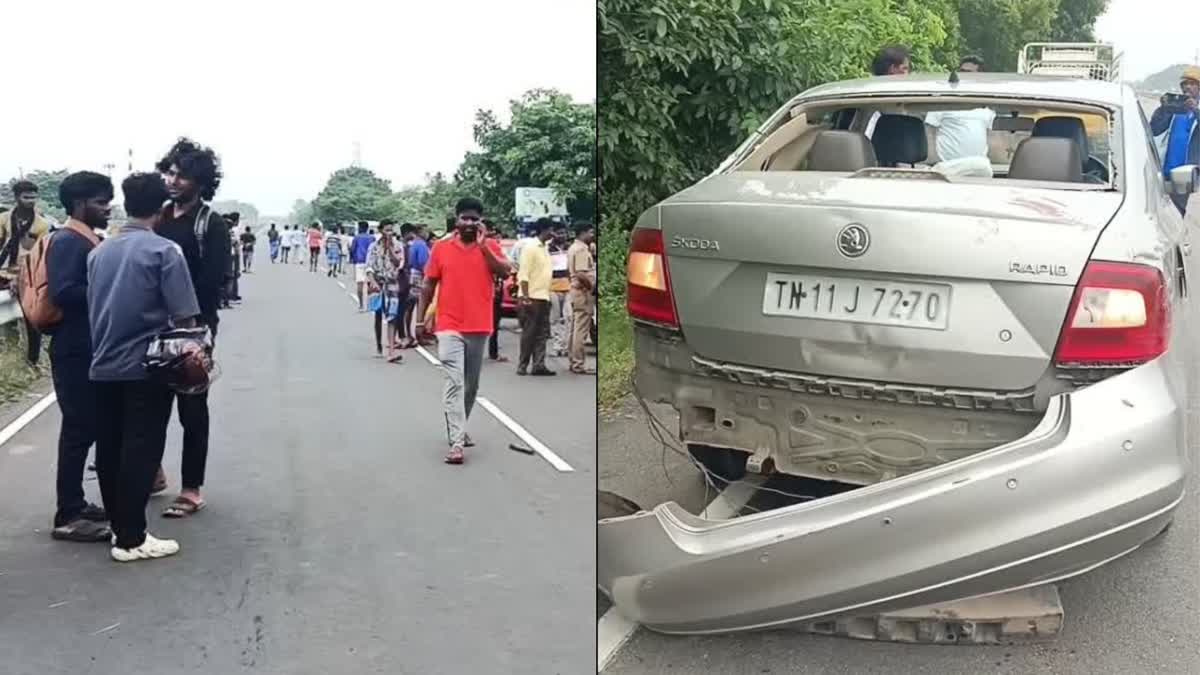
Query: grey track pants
462, 358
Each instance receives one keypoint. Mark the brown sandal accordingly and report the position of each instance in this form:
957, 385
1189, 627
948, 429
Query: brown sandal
183, 507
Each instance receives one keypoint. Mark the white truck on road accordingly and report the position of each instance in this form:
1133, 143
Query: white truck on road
1083, 60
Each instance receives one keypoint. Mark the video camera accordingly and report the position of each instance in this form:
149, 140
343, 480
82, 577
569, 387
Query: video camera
1174, 102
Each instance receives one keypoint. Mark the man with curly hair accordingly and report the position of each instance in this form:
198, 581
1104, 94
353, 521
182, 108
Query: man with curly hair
193, 173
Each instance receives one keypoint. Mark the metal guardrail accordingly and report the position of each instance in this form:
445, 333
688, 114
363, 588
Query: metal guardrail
9, 309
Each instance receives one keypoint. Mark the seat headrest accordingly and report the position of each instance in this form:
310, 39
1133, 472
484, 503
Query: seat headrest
841, 151
1063, 127
900, 139
1047, 158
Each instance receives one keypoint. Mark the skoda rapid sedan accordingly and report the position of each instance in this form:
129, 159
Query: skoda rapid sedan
984, 339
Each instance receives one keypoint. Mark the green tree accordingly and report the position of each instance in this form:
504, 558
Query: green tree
998, 29
550, 141
683, 82
1076, 20
47, 182
350, 195
428, 203
437, 197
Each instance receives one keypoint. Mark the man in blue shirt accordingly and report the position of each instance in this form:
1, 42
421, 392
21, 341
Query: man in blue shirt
138, 286
358, 257
1178, 123
86, 196
416, 253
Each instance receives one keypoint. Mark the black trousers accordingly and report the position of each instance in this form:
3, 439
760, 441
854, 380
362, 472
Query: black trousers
379, 331
494, 340
403, 331
535, 330
193, 417
131, 425
76, 433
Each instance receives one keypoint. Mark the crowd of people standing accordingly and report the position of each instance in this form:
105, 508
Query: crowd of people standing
105, 294
446, 291
175, 264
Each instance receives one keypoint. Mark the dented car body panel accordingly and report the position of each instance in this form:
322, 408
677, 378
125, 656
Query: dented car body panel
1062, 499
984, 463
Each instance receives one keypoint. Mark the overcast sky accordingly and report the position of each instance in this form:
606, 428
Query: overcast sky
282, 90
1153, 34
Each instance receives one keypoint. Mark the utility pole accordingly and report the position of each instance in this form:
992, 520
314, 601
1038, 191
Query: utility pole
357, 160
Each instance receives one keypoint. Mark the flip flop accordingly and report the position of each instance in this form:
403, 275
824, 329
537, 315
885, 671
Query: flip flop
455, 456
183, 507
396, 359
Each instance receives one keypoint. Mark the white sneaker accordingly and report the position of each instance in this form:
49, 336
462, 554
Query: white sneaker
151, 548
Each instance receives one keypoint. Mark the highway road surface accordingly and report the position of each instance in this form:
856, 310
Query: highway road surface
335, 540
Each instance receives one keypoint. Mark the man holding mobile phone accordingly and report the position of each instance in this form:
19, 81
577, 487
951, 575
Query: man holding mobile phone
1174, 125
461, 272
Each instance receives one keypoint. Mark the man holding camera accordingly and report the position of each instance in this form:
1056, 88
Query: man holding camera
1174, 125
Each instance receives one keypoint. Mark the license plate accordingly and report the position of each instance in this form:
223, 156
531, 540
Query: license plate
888, 303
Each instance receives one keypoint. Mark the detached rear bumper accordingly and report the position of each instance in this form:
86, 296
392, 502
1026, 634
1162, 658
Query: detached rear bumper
1100, 475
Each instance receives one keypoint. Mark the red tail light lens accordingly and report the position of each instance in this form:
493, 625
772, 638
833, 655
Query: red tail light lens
648, 288
1119, 314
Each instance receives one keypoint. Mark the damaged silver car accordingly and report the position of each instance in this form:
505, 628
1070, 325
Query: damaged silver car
990, 350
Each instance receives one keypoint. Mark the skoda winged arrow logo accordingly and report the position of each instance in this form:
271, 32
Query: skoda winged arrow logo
853, 240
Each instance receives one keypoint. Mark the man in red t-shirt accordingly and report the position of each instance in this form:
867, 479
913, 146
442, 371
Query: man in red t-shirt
462, 270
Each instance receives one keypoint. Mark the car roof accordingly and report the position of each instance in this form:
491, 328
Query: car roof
981, 84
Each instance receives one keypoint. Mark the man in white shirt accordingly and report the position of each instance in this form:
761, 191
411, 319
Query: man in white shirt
962, 135
298, 241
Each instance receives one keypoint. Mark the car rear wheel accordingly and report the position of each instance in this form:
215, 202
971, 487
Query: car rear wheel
723, 466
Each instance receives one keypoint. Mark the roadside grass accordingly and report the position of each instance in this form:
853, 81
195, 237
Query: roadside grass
15, 375
615, 357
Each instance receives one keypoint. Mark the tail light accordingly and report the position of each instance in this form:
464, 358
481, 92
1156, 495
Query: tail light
648, 289
1119, 315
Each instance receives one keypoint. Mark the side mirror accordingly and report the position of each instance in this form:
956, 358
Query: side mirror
1185, 179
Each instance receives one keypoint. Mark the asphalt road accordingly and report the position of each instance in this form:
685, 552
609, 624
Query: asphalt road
336, 540
1138, 614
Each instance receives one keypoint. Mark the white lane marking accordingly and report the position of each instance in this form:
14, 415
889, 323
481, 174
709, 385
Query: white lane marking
537, 446
513, 426
26, 417
613, 630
